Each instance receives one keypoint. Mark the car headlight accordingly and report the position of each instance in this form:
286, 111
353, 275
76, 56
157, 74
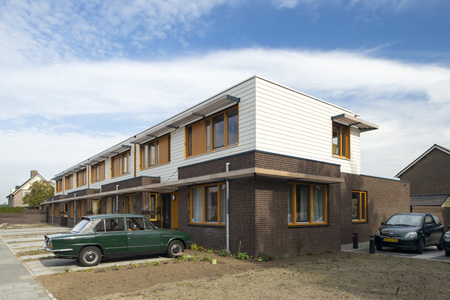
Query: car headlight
447, 236
377, 232
411, 235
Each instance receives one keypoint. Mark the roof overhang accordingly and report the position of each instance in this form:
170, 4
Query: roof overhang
197, 113
173, 185
350, 120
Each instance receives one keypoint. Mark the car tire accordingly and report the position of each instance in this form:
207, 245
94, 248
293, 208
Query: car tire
447, 252
90, 256
420, 247
175, 247
379, 248
440, 246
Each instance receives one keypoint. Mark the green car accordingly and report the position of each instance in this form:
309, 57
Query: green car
99, 236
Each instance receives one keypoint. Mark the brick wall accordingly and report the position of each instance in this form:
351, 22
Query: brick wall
27, 217
385, 197
430, 174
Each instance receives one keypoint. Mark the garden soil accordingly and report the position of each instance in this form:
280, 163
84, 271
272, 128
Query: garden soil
315, 276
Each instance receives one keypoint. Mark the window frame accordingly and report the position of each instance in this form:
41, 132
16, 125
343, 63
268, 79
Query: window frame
342, 128
80, 208
98, 206
128, 198
220, 201
292, 186
68, 182
148, 205
126, 155
146, 159
81, 175
207, 139
360, 207
96, 172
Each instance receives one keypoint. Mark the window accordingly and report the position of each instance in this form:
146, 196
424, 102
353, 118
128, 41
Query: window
207, 204
81, 178
150, 206
218, 131
66, 210
59, 188
120, 164
341, 141
98, 172
110, 204
155, 152
129, 204
68, 182
359, 206
95, 207
114, 224
307, 204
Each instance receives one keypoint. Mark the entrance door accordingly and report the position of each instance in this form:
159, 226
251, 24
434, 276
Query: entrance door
166, 211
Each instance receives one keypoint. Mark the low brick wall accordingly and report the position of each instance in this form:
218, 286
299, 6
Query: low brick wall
27, 217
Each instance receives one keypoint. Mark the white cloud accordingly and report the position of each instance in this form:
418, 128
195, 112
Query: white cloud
410, 102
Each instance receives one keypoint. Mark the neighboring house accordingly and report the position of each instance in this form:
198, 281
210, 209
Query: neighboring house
15, 199
289, 163
429, 177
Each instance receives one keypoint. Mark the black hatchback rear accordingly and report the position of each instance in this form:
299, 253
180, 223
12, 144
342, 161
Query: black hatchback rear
410, 231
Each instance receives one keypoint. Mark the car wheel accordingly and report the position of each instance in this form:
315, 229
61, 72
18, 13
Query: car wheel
379, 248
447, 252
440, 246
175, 247
90, 256
420, 247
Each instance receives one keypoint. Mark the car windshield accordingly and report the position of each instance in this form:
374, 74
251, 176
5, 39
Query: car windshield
405, 220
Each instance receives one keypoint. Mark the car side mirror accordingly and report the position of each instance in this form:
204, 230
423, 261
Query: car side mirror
382, 223
448, 226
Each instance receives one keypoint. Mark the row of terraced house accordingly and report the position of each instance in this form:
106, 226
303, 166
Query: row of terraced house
283, 164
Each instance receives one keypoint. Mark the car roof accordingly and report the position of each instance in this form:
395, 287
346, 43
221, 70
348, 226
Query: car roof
412, 214
93, 217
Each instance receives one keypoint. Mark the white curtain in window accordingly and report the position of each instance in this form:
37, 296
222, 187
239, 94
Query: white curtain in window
318, 204
197, 205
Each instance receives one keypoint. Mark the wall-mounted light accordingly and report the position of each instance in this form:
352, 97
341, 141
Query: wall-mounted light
173, 197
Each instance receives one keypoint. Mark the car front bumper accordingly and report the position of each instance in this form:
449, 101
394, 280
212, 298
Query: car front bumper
401, 243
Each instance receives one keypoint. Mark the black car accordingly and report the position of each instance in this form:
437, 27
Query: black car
411, 231
446, 239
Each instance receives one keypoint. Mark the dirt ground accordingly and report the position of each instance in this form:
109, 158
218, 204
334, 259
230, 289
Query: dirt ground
319, 276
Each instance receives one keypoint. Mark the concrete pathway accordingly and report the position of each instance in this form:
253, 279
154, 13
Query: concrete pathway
428, 253
15, 280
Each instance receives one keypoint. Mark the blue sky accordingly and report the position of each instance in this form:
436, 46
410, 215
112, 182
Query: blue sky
77, 77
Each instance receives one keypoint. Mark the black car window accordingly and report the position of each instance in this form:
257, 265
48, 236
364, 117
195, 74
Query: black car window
429, 219
100, 226
148, 225
436, 219
135, 224
405, 220
114, 224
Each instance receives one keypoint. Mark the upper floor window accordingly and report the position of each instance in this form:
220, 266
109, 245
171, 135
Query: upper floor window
155, 152
359, 206
81, 178
68, 182
98, 172
307, 204
218, 131
120, 164
341, 140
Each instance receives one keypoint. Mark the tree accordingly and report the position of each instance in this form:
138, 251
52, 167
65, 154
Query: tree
39, 191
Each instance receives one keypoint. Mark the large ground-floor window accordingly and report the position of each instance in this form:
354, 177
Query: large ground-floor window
95, 207
129, 204
359, 206
207, 204
307, 204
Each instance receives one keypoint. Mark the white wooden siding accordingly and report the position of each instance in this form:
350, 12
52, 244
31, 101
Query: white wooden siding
294, 124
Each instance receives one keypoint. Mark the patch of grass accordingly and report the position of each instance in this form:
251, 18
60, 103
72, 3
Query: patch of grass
11, 210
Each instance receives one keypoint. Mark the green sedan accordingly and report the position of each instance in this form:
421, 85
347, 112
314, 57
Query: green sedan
99, 236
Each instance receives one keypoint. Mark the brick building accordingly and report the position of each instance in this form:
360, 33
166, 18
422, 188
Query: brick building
429, 177
288, 163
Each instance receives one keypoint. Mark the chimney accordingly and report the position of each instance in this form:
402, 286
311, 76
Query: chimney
33, 173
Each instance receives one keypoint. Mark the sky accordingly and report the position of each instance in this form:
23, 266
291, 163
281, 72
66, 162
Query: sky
77, 77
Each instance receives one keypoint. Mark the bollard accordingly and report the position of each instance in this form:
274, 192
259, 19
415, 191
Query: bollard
355, 240
372, 244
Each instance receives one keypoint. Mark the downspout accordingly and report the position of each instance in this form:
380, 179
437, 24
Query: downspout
53, 211
227, 196
75, 210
